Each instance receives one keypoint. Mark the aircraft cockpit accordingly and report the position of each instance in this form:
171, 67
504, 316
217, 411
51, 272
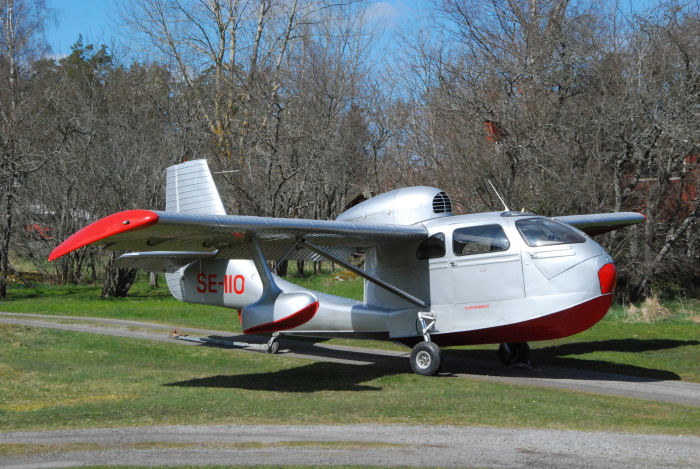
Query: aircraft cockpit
545, 232
503, 256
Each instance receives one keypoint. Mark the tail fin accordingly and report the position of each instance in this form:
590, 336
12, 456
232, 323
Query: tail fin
190, 188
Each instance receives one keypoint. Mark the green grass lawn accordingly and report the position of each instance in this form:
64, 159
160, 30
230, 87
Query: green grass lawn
666, 349
660, 351
55, 379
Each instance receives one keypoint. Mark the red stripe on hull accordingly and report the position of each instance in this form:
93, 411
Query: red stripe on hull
290, 322
553, 326
104, 228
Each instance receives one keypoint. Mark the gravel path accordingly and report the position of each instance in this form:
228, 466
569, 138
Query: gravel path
349, 444
678, 392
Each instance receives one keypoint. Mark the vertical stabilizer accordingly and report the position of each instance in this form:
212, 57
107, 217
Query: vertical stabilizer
190, 188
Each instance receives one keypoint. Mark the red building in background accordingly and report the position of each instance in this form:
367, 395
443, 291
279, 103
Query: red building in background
682, 195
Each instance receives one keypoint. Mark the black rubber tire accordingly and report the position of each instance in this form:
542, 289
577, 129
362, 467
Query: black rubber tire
274, 347
426, 358
516, 353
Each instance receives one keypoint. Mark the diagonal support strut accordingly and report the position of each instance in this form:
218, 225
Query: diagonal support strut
387, 286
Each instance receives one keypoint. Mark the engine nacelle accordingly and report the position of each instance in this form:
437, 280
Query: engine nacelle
404, 206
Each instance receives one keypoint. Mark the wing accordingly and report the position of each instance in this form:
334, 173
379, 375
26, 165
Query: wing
228, 235
599, 223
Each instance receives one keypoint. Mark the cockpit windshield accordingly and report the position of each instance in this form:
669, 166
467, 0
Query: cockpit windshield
546, 232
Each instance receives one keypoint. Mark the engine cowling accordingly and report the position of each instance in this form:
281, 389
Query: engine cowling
405, 206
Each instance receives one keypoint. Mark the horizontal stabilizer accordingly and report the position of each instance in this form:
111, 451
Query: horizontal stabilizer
599, 223
161, 261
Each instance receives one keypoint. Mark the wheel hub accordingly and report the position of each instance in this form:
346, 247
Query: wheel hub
423, 359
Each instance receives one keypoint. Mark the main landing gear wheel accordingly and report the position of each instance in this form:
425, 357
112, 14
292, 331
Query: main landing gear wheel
426, 358
273, 345
514, 354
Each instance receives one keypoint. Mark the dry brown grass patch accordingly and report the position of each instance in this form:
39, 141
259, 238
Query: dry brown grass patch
649, 311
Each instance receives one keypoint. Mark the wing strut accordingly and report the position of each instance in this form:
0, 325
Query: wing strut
387, 286
270, 288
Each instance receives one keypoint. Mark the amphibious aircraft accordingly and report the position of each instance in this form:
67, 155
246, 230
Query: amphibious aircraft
432, 278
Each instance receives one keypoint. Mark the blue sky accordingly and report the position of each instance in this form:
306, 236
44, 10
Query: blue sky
96, 21
91, 18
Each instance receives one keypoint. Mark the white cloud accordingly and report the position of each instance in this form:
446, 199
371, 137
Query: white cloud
383, 13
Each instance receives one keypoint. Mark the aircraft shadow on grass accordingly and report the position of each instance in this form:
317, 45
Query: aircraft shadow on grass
555, 362
319, 376
559, 361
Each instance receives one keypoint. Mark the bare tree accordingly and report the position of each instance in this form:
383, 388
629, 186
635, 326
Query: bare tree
653, 140
240, 61
569, 107
22, 24
115, 129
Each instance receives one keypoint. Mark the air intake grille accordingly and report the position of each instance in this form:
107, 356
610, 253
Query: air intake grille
442, 203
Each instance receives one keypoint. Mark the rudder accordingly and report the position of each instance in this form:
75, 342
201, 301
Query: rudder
190, 188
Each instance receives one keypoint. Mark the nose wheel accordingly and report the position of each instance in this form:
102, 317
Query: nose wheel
514, 354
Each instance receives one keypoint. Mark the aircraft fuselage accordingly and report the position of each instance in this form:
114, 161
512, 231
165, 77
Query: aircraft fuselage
484, 279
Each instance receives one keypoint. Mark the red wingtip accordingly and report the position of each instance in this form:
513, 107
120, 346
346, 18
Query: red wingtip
104, 228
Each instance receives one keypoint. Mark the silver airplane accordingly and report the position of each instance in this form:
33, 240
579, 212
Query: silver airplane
432, 278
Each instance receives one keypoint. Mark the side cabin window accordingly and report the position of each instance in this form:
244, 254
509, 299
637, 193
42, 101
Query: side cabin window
545, 232
479, 240
432, 247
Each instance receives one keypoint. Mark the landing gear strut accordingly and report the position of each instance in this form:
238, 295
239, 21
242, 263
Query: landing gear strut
426, 357
515, 354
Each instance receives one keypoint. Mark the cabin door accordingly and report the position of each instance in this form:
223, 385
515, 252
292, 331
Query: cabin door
484, 265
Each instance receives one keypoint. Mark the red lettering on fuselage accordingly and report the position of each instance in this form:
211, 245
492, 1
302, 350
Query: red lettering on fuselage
231, 283
469, 308
235, 284
201, 285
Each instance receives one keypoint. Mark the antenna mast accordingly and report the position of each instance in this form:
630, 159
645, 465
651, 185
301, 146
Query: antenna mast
498, 195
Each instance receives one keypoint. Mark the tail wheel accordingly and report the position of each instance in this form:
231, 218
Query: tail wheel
516, 353
426, 358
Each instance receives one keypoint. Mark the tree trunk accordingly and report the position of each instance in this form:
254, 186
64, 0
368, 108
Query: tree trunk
5, 247
643, 288
282, 268
117, 281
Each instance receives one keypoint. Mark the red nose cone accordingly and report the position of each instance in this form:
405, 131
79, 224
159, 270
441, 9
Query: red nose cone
607, 275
